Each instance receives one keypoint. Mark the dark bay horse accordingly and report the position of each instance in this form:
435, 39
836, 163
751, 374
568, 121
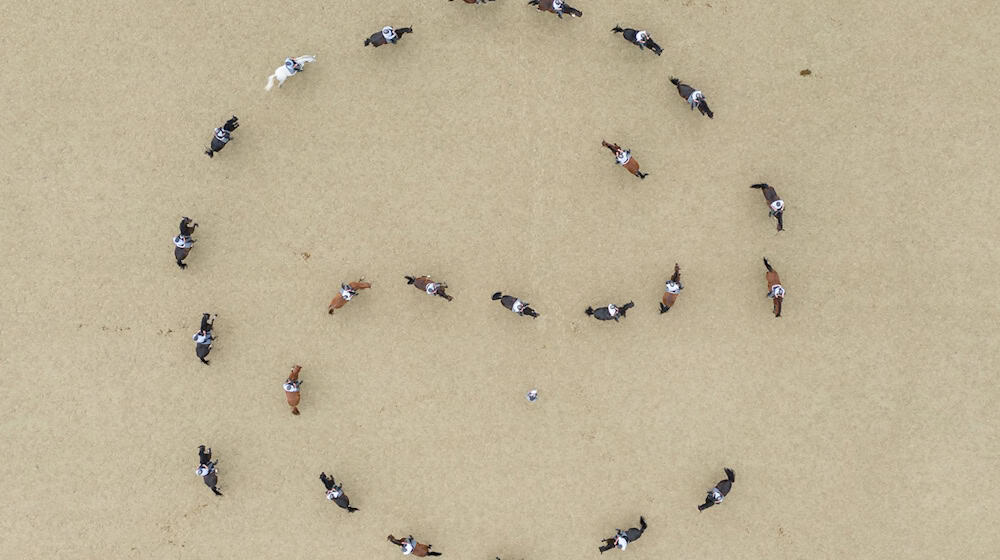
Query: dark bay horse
347, 292
411, 546
695, 98
672, 290
624, 158
622, 538
775, 205
717, 494
515, 305
222, 136
183, 242
639, 38
206, 469
557, 7
335, 494
291, 386
204, 337
775, 290
387, 35
431, 288
610, 312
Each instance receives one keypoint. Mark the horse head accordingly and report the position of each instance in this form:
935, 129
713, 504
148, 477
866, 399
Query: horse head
703, 107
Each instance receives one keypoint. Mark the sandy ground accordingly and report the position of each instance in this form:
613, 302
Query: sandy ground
862, 424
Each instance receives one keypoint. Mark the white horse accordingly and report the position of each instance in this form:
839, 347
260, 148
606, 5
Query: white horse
282, 73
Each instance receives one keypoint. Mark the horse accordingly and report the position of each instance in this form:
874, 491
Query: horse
557, 7
204, 337
387, 35
222, 136
641, 39
672, 290
475, 1
206, 469
291, 386
335, 494
515, 305
622, 538
347, 291
432, 288
694, 97
612, 311
775, 205
291, 66
183, 241
717, 494
624, 158
775, 290
411, 546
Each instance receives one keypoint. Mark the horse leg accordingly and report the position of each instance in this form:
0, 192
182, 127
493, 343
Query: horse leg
608, 545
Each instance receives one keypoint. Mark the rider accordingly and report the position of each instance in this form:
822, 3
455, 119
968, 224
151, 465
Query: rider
695, 98
777, 207
293, 65
389, 34
517, 306
622, 156
557, 7
347, 292
641, 37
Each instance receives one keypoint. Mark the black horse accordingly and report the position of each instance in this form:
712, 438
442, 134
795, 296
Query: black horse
776, 206
335, 494
694, 97
515, 305
222, 136
204, 337
183, 242
622, 538
386, 36
206, 469
610, 312
645, 41
717, 494
557, 7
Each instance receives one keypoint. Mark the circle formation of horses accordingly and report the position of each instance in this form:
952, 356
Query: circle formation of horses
203, 339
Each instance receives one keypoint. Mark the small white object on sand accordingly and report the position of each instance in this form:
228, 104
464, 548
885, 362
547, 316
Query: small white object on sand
532, 395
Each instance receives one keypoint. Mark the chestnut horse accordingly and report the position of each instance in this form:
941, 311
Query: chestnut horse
206, 469
717, 494
774, 289
695, 98
411, 546
624, 158
431, 288
610, 312
622, 538
515, 305
672, 290
348, 291
387, 35
291, 386
557, 7
775, 205
335, 494
641, 39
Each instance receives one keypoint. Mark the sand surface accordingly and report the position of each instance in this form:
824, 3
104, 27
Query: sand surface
862, 424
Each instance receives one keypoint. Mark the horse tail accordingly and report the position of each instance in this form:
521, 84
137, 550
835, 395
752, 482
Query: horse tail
209, 152
497, 296
730, 475
675, 81
760, 186
295, 410
768, 265
351, 509
270, 83
617, 29
589, 311
368, 41
410, 279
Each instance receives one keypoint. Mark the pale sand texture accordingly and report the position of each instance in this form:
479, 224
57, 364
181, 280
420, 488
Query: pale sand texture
862, 424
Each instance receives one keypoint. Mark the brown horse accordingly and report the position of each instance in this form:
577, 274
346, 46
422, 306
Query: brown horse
431, 288
774, 289
624, 158
557, 7
775, 205
695, 98
387, 35
515, 305
347, 291
291, 386
411, 546
672, 290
